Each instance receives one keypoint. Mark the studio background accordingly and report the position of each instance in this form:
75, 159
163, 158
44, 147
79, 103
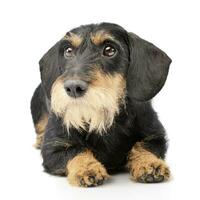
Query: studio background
29, 28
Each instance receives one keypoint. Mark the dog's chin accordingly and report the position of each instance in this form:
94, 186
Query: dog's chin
93, 114
83, 115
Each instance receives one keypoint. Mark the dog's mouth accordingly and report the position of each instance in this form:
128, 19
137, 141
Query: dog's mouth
88, 105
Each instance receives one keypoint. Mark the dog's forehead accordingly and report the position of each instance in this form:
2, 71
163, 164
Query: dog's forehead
97, 33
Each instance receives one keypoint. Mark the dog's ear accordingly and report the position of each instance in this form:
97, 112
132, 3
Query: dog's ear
49, 67
148, 69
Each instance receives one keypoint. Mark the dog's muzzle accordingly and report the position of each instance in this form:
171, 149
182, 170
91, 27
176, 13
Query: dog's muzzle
75, 88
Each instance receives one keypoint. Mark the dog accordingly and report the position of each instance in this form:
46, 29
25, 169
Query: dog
92, 110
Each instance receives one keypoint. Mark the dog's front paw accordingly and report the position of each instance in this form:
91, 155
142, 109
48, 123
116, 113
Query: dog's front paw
145, 167
89, 177
85, 171
150, 171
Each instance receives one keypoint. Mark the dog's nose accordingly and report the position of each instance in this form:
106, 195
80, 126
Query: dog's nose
75, 88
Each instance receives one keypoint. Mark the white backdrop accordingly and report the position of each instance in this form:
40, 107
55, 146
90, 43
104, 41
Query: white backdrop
29, 28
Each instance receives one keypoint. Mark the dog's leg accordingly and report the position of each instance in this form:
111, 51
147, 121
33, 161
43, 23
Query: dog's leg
85, 170
146, 158
39, 114
63, 157
81, 167
40, 127
145, 166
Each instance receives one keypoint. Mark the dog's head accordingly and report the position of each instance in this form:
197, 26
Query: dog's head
88, 73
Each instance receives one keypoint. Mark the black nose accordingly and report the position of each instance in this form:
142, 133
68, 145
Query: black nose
75, 88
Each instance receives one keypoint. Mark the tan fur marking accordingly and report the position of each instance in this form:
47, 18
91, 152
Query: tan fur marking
84, 170
75, 40
40, 130
96, 109
142, 163
100, 36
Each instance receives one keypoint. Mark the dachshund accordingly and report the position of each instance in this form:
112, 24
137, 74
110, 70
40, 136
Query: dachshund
92, 110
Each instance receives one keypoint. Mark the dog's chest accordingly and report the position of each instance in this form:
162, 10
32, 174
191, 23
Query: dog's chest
112, 148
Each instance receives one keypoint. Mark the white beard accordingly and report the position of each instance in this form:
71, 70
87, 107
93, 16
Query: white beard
95, 111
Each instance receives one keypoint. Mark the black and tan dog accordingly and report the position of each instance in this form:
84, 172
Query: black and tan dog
92, 111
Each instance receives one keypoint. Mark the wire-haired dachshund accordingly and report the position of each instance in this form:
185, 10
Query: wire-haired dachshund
92, 110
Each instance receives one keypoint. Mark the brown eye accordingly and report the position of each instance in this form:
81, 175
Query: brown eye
68, 52
109, 51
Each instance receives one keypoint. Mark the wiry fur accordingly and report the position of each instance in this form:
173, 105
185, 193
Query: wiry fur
96, 110
73, 38
117, 101
100, 36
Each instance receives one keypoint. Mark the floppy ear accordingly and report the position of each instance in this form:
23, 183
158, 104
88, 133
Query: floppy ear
49, 68
148, 69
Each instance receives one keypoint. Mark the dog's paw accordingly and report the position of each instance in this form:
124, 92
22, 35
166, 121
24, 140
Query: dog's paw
92, 177
146, 167
150, 172
85, 171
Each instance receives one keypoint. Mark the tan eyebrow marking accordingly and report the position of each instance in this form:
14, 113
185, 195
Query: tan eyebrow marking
75, 39
100, 36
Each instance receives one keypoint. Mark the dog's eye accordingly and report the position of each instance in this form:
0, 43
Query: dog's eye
109, 51
68, 52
